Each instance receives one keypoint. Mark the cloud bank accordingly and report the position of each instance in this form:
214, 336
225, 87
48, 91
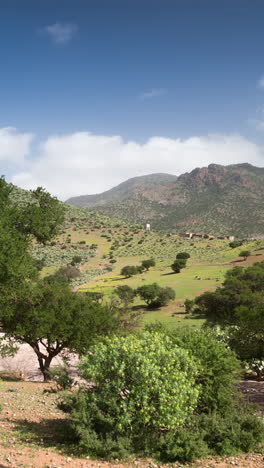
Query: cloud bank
84, 163
14, 146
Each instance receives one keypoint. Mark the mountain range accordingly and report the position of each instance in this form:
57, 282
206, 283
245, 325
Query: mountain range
222, 200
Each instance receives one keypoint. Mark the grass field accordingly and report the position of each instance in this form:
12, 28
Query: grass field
205, 269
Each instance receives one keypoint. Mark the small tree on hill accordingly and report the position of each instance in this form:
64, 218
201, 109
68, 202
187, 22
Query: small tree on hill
178, 265
154, 295
182, 255
129, 270
148, 263
236, 243
69, 272
125, 294
245, 254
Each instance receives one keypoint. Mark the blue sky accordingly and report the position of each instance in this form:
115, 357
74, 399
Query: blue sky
174, 69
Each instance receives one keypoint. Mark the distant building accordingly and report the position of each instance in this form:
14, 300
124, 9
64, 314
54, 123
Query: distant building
187, 235
231, 238
147, 227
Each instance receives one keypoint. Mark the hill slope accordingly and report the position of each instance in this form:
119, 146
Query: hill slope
215, 199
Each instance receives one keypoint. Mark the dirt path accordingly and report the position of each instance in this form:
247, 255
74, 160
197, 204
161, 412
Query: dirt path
25, 363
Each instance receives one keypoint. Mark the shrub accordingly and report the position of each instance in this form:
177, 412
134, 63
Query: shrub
60, 374
69, 272
143, 386
129, 271
144, 399
236, 243
182, 255
76, 259
189, 305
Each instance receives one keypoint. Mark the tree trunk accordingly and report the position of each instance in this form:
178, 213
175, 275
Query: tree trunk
44, 365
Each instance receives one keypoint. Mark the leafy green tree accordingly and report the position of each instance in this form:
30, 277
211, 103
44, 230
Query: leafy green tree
236, 243
46, 314
154, 295
178, 265
181, 255
238, 307
40, 219
146, 264
125, 293
245, 254
69, 272
129, 270
189, 305
50, 317
140, 269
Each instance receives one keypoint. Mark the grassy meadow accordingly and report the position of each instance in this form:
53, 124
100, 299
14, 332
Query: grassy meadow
118, 245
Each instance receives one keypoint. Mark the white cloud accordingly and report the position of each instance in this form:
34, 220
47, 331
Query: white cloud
14, 146
60, 33
83, 163
153, 93
258, 124
261, 82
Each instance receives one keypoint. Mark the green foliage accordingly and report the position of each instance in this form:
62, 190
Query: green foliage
61, 375
245, 254
238, 306
125, 293
154, 295
178, 265
69, 272
146, 264
236, 243
42, 218
56, 257
182, 255
50, 314
76, 259
219, 369
143, 385
129, 270
189, 305
139, 401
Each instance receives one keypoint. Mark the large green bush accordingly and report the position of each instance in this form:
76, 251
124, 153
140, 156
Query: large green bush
165, 394
143, 385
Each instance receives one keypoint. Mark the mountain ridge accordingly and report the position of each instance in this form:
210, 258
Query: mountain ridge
214, 199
